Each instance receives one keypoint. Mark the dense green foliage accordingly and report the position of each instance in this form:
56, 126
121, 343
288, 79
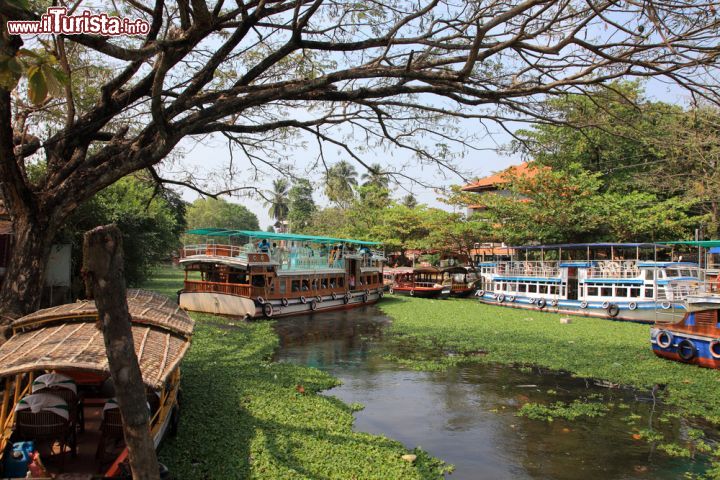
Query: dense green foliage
150, 220
301, 205
570, 205
618, 167
617, 352
217, 213
244, 416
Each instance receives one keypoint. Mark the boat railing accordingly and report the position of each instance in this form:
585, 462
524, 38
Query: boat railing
528, 269
212, 249
613, 269
219, 287
680, 291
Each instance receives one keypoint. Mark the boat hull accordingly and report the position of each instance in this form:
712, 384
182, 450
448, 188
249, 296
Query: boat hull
422, 292
696, 352
463, 293
645, 312
237, 306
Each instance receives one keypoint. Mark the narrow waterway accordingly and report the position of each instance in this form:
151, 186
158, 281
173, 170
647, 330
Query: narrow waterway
467, 415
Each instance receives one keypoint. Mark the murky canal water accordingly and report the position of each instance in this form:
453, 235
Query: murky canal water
467, 415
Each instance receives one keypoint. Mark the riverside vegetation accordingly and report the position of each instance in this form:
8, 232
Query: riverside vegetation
244, 416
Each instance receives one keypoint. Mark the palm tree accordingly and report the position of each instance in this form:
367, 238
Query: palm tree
409, 201
340, 180
279, 203
375, 176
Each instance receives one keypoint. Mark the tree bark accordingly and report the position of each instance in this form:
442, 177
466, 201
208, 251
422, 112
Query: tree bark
22, 286
104, 281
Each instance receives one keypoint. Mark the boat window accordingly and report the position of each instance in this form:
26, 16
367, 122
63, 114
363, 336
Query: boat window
672, 273
258, 280
606, 292
649, 274
592, 291
686, 273
522, 287
532, 288
323, 283
621, 291
305, 285
635, 292
648, 293
542, 288
295, 287
283, 286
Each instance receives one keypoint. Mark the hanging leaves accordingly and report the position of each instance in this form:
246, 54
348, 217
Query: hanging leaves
42, 71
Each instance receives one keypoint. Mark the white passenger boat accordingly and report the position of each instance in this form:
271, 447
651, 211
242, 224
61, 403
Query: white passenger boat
620, 281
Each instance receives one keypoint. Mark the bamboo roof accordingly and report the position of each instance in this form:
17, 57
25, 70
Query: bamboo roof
145, 307
68, 339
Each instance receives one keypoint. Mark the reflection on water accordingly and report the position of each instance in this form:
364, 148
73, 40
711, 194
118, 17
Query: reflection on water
466, 415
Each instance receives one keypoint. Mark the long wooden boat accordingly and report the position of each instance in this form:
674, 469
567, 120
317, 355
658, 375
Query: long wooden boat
422, 282
696, 338
260, 274
57, 394
612, 280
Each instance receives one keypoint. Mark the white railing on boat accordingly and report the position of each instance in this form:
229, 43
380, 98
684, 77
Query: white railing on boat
613, 269
528, 269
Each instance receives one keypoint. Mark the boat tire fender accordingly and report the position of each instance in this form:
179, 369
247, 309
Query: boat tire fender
284, 302
319, 299
554, 302
303, 299
714, 348
480, 293
664, 339
583, 304
367, 292
267, 309
391, 290
334, 295
365, 297
541, 302
260, 300
686, 349
613, 310
511, 298
313, 304
412, 293
501, 298
665, 305
346, 298
632, 306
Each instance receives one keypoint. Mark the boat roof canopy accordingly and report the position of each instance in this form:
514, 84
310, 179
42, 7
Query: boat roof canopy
583, 246
222, 232
695, 243
67, 338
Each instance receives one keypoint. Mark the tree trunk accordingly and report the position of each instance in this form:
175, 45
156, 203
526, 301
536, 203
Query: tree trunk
25, 276
104, 281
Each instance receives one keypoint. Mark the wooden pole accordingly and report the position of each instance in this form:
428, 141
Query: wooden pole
105, 281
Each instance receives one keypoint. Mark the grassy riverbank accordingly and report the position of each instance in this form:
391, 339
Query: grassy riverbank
244, 416
601, 349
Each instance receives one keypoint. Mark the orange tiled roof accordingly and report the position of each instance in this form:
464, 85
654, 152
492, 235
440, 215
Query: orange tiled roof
491, 182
